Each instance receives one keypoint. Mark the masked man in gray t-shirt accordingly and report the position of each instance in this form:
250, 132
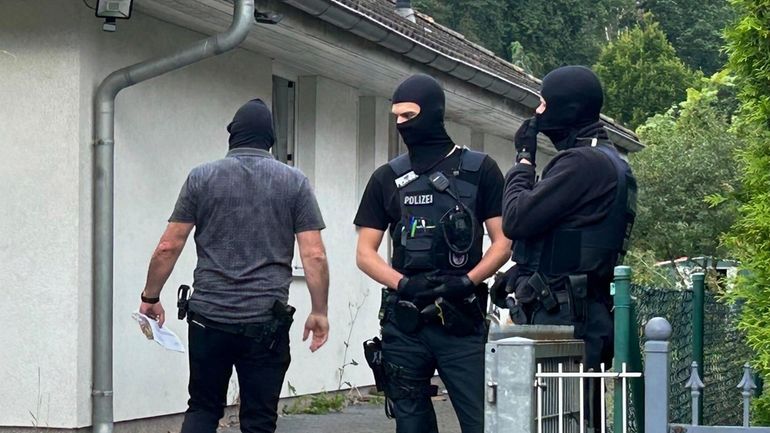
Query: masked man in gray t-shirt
247, 209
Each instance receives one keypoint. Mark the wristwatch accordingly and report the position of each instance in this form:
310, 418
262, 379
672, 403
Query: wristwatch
147, 300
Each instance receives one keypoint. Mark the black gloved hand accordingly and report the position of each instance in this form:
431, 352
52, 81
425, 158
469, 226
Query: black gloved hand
525, 140
450, 287
503, 286
410, 287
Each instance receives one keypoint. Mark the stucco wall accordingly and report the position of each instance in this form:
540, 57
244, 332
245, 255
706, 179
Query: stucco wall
39, 137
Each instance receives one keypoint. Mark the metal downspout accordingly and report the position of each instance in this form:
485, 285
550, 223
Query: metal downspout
103, 178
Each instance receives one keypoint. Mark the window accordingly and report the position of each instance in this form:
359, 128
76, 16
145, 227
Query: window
284, 119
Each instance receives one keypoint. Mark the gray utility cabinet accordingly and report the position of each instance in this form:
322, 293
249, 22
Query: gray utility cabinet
512, 356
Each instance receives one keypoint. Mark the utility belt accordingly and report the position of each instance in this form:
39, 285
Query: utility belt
268, 332
549, 294
458, 317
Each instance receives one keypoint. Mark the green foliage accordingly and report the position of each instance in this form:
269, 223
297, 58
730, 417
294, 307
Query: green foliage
317, 404
521, 58
760, 410
694, 28
691, 157
481, 21
645, 272
641, 74
561, 32
564, 32
748, 49
553, 33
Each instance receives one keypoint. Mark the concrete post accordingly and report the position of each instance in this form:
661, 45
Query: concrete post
656, 375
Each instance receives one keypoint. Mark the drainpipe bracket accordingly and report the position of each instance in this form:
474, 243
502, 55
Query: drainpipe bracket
104, 142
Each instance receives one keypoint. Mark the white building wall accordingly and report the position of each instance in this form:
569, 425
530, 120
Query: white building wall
460, 134
39, 135
53, 60
501, 150
336, 181
504, 152
164, 127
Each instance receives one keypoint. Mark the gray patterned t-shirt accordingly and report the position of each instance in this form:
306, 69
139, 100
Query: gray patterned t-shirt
247, 208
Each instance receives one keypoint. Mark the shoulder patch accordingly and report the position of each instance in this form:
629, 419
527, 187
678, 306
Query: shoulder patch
401, 165
471, 160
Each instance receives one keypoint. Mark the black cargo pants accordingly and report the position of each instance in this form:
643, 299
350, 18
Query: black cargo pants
412, 359
213, 354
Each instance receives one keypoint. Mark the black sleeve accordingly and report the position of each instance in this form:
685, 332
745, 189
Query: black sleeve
307, 214
530, 208
372, 212
187, 202
491, 187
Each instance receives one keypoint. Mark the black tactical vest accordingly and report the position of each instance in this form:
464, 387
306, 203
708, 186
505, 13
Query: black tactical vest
594, 250
431, 221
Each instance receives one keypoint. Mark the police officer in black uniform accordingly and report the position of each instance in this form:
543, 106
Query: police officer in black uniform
433, 201
571, 228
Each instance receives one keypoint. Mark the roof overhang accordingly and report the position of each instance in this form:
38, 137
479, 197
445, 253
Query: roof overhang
372, 57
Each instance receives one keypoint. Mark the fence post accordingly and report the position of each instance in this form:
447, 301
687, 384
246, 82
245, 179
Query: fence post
622, 302
695, 385
656, 375
747, 388
698, 307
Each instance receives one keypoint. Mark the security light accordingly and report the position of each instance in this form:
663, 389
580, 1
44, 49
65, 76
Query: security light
120, 9
267, 17
111, 10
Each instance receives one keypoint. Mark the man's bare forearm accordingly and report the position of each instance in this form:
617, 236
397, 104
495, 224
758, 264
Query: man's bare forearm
161, 266
495, 257
317, 279
373, 265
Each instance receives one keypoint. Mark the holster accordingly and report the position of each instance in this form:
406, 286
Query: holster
455, 322
407, 317
182, 301
578, 294
516, 310
543, 292
373, 355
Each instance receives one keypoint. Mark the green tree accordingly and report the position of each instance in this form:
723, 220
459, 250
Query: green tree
694, 28
749, 59
563, 32
480, 21
521, 58
553, 33
690, 156
641, 74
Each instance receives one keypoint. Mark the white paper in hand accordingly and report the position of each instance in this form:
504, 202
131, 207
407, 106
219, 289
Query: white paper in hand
163, 336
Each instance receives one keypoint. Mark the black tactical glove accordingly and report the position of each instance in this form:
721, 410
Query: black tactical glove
451, 287
409, 287
503, 286
525, 140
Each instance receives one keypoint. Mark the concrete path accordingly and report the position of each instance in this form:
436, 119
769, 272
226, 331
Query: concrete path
362, 418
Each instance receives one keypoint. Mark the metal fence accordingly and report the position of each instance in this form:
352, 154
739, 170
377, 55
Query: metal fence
657, 362
724, 351
704, 330
560, 393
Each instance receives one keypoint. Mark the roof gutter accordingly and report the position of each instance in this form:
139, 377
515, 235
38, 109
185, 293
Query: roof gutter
103, 179
361, 25
354, 21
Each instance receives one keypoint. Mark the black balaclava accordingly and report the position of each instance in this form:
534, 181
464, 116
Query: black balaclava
573, 97
424, 135
252, 126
